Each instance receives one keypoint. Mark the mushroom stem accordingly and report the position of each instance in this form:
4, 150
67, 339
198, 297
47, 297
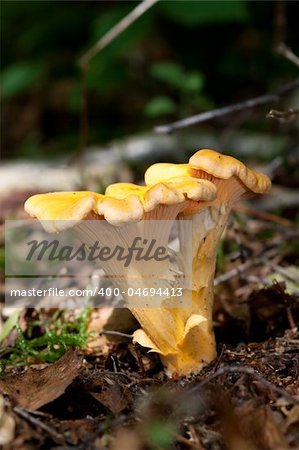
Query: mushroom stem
184, 337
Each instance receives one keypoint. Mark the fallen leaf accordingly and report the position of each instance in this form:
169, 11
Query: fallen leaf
262, 426
111, 393
35, 388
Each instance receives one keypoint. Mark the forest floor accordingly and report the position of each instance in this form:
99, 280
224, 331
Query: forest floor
121, 399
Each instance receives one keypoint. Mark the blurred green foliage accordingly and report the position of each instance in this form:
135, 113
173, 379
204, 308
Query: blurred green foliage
187, 84
180, 58
203, 12
17, 78
160, 435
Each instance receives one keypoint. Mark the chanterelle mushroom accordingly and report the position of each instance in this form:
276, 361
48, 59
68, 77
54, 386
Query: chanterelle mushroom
233, 181
182, 336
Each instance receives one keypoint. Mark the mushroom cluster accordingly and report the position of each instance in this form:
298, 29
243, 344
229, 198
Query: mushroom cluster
203, 192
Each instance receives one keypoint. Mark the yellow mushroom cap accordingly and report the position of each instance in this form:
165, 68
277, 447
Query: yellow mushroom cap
165, 171
179, 176
122, 202
169, 192
224, 167
120, 211
150, 197
61, 210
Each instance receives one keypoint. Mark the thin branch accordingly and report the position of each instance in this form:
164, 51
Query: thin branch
270, 253
288, 53
248, 371
27, 415
283, 116
116, 333
115, 31
84, 61
265, 216
236, 107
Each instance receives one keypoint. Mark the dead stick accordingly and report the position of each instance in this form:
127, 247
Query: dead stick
116, 333
26, 414
269, 217
189, 443
115, 31
270, 253
237, 107
283, 116
288, 53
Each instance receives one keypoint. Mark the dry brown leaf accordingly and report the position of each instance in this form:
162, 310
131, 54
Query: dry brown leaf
35, 388
260, 424
112, 394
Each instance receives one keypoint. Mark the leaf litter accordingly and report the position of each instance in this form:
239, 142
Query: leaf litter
114, 395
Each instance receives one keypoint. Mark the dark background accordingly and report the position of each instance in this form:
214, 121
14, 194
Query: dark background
180, 58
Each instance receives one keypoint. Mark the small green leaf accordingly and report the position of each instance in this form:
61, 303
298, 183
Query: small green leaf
193, 82
168, 72
17, 78
160, 106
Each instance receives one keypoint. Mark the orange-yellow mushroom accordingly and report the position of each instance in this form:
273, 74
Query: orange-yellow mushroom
203, 192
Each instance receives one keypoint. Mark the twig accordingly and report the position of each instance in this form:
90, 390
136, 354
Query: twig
284, 272
25, 414
116, 333
248, 371
288, 53
290, 317
115, 31
84, 61
283, 116
271, 168
242, 267
189, 443
219, 112
263, 215
218, 361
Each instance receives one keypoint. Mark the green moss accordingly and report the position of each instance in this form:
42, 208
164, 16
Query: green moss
56, 337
